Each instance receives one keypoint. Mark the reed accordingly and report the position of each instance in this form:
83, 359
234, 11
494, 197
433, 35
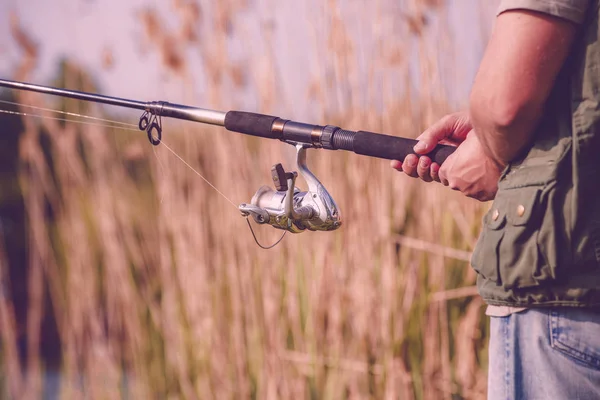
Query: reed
156, 288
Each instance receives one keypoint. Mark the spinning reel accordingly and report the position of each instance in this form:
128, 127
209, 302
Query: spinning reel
290, 209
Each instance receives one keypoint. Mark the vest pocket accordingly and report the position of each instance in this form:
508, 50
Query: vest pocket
517, 246
485, 257
522, 255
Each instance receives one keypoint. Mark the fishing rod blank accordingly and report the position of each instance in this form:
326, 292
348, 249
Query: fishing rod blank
266, 126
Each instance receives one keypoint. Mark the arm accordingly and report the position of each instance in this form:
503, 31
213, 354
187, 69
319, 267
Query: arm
524, 55
517, 73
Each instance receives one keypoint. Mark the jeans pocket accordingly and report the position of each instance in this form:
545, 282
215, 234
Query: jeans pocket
574, 332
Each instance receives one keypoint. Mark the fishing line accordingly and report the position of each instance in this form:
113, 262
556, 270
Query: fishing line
198, 173
107, 126
226, 198
162, 169
125, 126
68, 120
69, 113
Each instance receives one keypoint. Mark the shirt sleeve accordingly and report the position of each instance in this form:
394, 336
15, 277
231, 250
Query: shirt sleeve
572, 10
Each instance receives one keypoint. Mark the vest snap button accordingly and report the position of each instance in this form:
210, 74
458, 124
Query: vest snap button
495, 214
520, 210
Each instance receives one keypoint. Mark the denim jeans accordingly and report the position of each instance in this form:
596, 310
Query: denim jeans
546, 354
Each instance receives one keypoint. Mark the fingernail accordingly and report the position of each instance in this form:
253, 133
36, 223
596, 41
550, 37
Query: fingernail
420, 146
424, 162
411, 162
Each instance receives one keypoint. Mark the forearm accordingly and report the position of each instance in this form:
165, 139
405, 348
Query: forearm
518, 70
504, 138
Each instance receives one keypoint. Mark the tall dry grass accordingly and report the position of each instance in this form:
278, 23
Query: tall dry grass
158, 290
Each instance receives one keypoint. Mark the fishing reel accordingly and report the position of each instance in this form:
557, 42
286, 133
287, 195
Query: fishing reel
290, 209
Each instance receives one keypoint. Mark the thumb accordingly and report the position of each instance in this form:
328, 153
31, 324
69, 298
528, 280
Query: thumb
437, 132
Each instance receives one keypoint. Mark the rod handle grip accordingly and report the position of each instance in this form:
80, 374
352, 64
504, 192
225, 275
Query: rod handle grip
385, 146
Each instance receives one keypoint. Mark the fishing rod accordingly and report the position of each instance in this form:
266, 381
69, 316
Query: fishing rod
286, 207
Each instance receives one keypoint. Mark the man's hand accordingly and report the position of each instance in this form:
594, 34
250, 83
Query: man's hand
451, 130
470, 171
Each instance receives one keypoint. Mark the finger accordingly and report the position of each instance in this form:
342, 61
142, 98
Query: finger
423, 169
397, 165
409, 166
434, 171
443, 177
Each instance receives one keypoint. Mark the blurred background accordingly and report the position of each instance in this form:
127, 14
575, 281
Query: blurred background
124, 275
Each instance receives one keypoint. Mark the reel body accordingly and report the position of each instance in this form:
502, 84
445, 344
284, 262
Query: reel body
287, 207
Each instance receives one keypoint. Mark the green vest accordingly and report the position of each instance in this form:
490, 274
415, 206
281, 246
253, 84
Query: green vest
540, 241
